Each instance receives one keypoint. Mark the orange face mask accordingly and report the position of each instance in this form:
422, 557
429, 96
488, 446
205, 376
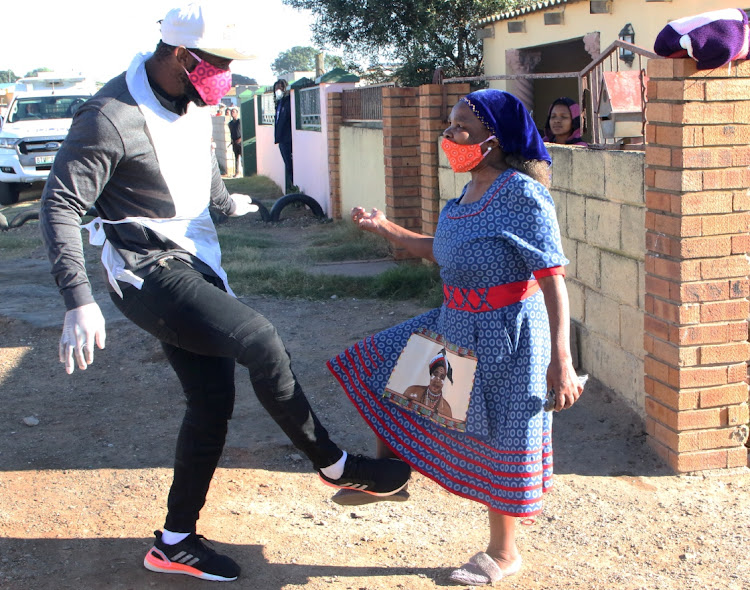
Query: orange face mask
463, 158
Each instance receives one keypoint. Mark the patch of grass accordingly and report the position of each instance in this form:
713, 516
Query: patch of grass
232, 240
17, 245
19, 242
271, 260
293, 281
261, 277
343, 241
258, 187
410, 281
337, 232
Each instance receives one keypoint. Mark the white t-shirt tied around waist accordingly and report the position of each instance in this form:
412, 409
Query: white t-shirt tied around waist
185, 164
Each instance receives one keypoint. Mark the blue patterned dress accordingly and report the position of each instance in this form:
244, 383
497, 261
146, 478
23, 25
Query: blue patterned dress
504, 458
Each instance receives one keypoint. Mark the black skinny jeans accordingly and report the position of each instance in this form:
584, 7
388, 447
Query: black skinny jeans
203, 331
285, 147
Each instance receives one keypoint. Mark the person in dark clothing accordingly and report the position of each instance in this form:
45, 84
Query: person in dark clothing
282, 133
235, 134
138, 152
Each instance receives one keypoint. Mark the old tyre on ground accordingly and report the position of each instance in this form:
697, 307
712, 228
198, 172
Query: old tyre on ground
9, 193
296, 200
23, 217
265, 215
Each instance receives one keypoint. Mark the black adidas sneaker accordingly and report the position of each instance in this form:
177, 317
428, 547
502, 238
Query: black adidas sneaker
190, 557
378, 477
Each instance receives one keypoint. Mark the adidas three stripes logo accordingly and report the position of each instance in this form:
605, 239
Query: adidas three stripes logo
354, 486
186, 558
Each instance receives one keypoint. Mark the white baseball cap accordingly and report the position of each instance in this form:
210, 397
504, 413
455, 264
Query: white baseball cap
199, 26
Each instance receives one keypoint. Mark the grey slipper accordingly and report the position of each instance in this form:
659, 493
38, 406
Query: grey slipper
482, 570
356, 498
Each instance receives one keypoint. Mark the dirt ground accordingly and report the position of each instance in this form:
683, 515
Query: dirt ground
82, 490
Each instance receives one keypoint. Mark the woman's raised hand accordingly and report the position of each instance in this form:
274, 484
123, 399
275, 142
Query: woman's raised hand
371, 221
376, 222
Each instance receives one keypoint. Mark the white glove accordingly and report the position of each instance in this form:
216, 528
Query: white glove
82, 327
242, 205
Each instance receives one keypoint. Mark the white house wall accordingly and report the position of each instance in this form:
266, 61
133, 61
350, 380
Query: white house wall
311, 158
268, 155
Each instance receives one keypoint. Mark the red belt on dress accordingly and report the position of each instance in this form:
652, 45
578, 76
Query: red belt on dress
487, 299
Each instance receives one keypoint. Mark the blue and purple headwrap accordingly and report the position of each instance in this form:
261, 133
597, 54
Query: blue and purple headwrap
508, 120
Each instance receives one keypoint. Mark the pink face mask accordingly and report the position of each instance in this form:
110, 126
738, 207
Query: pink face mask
210, 82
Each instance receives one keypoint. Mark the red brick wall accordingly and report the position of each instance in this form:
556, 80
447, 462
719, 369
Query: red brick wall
401, 153
413, 119
335, 119
435, 104
697, 222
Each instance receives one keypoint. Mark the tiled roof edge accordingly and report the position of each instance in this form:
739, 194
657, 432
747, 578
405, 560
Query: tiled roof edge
528, 7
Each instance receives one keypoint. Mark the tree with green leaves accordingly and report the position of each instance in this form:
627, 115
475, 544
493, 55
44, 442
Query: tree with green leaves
418, 35
35, 72
243, 80
7, 77
302, 59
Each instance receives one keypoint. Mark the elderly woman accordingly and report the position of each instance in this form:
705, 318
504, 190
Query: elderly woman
563, 123
499, 250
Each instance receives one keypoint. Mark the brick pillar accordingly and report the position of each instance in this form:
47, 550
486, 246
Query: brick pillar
402, 163
697, 223
435, 103
335, 120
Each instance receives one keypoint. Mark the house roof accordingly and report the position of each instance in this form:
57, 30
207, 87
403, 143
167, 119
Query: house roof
302, 82
337, 75
522, 7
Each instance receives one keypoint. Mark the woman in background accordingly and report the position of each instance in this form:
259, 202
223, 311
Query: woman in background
564, 123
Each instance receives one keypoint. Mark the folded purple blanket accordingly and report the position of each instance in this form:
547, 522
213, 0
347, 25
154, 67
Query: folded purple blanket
712, 39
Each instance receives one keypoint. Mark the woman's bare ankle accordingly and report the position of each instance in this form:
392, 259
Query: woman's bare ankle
504, 558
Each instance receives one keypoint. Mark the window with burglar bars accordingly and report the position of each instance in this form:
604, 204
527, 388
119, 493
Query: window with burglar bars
267, 109
308, 108
364, 104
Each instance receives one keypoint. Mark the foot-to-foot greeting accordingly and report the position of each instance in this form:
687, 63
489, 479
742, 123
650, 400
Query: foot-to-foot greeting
375, 477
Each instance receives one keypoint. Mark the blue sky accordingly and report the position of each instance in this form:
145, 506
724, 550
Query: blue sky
100, 38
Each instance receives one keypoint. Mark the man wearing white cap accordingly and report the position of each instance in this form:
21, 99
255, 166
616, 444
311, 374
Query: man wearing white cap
138, 151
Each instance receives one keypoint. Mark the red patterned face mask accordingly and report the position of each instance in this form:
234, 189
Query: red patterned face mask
210, 82
463, 158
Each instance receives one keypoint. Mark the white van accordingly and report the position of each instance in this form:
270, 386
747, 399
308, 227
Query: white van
34, 127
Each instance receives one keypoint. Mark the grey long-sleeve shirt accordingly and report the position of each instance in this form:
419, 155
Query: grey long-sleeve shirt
108, 161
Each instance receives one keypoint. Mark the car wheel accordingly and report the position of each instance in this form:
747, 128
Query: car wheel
8, 193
